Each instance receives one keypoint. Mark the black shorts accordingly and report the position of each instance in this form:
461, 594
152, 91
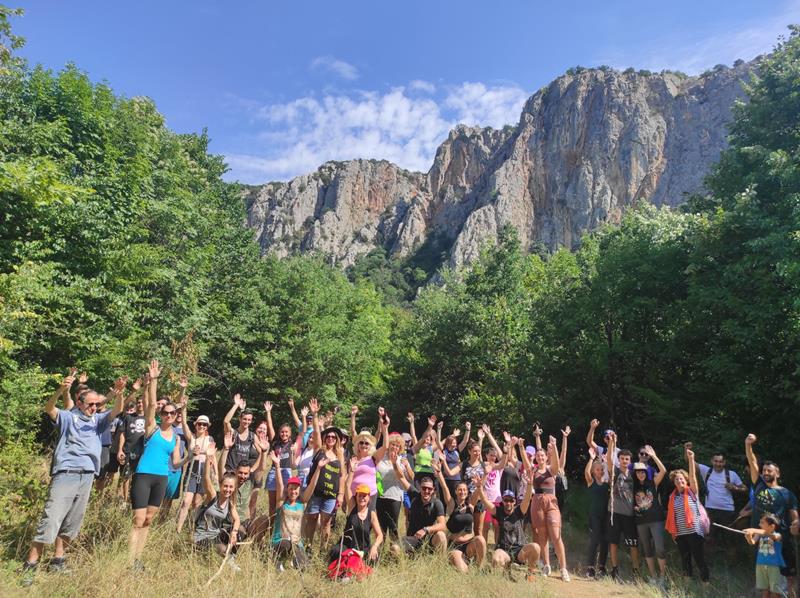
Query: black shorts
459, 546
623, 525
512, 551
414, 544
790, 570
148, 490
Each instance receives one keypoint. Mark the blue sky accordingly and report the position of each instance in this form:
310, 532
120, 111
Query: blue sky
284, 86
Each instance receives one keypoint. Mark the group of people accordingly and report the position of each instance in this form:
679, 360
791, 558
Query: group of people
453, 490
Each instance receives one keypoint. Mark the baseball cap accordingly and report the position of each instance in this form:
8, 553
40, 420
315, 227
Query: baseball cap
639, 466
363, 489
608, 432
294, 480
530, 449
509, 494
202, 419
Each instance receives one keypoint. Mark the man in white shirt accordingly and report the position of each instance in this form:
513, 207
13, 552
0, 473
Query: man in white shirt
720, 483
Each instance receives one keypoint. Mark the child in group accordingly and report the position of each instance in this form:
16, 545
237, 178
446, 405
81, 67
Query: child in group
769, 558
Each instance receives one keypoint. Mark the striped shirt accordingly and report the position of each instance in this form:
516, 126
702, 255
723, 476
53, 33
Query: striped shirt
680, 516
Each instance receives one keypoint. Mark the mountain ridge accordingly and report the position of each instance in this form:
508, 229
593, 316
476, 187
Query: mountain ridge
586, 147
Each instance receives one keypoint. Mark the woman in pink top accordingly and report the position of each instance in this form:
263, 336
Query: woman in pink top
368, 458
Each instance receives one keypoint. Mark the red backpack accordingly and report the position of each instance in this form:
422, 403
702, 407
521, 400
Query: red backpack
348, 565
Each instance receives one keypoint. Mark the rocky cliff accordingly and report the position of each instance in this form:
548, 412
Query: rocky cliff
586, 147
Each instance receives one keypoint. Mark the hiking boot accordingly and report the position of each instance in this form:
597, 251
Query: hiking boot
58, 566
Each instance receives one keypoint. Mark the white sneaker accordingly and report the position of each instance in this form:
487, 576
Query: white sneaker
546, 570
565, 575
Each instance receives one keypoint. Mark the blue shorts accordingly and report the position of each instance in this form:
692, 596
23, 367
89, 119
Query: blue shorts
173, 484
317, 504
272, 478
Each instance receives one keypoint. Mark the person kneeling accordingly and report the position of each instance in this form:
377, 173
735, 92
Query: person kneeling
462, 543
287, 538
511, 546
426, 523
217, 523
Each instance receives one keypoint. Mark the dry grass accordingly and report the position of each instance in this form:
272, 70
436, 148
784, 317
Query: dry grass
173, 568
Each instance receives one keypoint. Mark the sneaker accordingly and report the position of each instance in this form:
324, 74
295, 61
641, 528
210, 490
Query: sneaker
28, 571
565, 575
138, 566
58, 566
281, 568
590, 573
601, 572
234, 567
546, 570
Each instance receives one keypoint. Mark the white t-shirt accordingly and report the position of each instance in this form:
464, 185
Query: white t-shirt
719, 497
601, 454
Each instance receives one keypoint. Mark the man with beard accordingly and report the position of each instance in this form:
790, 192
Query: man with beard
770, 497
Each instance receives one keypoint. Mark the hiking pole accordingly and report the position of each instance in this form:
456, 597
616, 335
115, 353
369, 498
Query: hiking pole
730, 529
225, 560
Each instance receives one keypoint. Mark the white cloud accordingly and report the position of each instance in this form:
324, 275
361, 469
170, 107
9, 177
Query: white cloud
296, 137
420, 85
343, 69
722, 47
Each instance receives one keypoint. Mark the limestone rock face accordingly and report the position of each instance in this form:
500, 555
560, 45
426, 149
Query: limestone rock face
586, 147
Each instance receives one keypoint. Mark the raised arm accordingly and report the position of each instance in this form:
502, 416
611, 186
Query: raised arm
429, 430
312, 483
612, 445
150, 407
208, 485
313, 406
752, 462
692, 470
587, 471
492, 441
537, 434
383, 428
293, 411
480, 482
278, 477
463, 444
662, 471
562, 460
526, 462
50, 407
379, 426
553, 462
398, 473
227, 445
526, 500
590, 435
411, 430
238, 402
187, 429
437, 470
349, 498
270, 427
353, 433
82, 380
437, 439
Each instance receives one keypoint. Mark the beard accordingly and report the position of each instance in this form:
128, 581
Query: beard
768, 477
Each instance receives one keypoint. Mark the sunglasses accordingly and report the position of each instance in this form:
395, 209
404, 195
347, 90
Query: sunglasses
364, 442
426, 489
168, 413
201, 425
95, 405
334, 436
642, 454
509, 500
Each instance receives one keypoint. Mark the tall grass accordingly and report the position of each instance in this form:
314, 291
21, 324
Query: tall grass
99, 566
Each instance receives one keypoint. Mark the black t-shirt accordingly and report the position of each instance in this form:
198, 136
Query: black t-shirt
420, 514
647, 506
357, 531
243, 451
328, 481
460, 520
509, 480
133, 427
284, 452
512, 532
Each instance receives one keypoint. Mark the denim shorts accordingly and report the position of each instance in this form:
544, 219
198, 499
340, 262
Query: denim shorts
272, 478
65, 507
317, 504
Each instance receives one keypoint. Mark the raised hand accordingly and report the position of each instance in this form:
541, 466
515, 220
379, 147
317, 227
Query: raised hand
594, 423
154, 370
66, 383
354, 410
183, 381
486, 429
313, 406
566, 431
437, 466
649, 450
137, 384
268, 406
290, 402
239, 401
506, 437
537, 431
432, 420
83, 378
481, 434
592, 453
353, 463
120, 383
274, 456
410, 417
304, 411
440, 425
211, 451
751, 439
468, 426
229, 440
551, 441
322, 463
381, 413
456, 433
690, 455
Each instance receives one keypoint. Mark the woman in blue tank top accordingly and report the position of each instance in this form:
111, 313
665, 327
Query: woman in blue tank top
150, 480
